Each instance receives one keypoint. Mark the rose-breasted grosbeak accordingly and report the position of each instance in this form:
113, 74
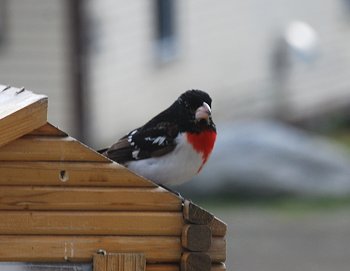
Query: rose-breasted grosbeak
174, 145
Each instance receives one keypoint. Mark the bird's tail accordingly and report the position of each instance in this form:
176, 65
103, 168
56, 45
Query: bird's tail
102, 151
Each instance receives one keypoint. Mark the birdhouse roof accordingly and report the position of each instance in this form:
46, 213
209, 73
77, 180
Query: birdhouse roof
21, 112
27, 136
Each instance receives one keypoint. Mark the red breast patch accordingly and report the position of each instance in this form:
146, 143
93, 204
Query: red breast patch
203, 143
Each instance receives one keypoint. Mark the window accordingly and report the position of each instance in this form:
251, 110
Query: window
165, 30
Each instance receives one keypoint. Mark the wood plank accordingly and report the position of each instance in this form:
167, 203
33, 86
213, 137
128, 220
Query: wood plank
77, 266
34, 248
21, 112
85, 198
69, 174
195, 261
49, 148
162, 267
126, 262
218, 227
119, 262
175, 267
218, 267
196, 237
217, 250
195, 214
99, 262
91, 223
42, 266
82, 248
47, 130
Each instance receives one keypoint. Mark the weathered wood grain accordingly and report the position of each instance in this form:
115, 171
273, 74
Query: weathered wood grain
195, 214
218, 227
196, 237
195, 261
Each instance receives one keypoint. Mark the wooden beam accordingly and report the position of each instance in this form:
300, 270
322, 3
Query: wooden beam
195, 261
119, 262
218, 227
33, 248
49, 148
91, 223
162, 267
176, 267
61, 198
21, 112
218, 267
99, 262
217, 250
196, 237
69, 174
82, 248
47, 130
195, 214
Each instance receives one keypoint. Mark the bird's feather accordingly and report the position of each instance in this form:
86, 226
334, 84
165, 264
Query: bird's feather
144, 142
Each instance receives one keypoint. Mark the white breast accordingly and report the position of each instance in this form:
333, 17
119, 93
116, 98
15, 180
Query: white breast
176, 167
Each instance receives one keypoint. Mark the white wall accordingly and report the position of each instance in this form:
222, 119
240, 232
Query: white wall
224, 47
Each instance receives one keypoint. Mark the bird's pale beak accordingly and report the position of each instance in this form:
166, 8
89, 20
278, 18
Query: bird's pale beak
203, 112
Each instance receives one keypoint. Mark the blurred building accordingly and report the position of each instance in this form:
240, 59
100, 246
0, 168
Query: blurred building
35, 52
138, 56
145, 53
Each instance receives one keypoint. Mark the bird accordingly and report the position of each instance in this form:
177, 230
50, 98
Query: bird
174, 145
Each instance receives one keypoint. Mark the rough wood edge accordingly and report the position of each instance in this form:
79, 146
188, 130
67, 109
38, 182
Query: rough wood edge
196, 237
195, 214
218, 227
195, 261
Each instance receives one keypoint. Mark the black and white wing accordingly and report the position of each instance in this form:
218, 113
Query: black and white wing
144, 142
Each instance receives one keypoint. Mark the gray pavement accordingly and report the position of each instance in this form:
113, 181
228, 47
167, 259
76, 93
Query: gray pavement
273, 240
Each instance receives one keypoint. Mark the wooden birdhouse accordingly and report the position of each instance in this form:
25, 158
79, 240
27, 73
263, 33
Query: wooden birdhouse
62, 203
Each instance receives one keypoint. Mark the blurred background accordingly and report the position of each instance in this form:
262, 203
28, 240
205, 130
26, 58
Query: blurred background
279, 75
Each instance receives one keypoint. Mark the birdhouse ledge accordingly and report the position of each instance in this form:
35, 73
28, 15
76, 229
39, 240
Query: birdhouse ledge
64, 204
